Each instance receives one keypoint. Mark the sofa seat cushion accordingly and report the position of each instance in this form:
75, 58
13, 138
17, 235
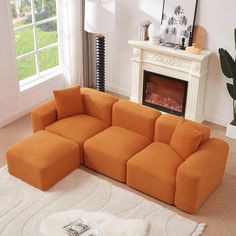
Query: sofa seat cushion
77, 128
109, 151
153, 171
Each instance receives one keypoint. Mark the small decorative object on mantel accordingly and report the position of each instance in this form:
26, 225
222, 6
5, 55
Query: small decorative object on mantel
190, 39
178, 18
144, 30
228, 66
193, 49
154, 33
182, 46
199, 34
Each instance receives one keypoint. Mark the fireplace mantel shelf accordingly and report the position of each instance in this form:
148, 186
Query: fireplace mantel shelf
169, 51
178, 64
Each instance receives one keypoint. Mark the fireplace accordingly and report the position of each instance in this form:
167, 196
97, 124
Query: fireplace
164, 93
189, 71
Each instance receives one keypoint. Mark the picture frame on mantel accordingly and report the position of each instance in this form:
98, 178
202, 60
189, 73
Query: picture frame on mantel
178, 18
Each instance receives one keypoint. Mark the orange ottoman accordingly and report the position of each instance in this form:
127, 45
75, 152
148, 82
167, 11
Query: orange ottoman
43, 159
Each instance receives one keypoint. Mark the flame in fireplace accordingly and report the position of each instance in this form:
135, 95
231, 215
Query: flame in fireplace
164, 101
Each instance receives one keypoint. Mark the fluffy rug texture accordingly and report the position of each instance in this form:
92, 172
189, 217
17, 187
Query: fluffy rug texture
23, 207
101, 223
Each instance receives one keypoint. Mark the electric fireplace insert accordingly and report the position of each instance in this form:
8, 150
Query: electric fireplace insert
165, 93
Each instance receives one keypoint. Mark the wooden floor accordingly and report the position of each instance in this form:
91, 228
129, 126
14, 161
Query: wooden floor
218, 212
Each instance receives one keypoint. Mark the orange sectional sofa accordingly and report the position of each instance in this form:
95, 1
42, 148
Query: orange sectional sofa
162, 155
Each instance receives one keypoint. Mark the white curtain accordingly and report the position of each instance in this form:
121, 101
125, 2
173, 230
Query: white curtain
71, 27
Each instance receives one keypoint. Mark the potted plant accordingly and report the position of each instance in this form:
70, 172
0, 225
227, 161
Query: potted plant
228, 66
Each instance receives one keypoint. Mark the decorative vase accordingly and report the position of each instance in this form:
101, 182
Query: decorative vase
144, 30
154, 33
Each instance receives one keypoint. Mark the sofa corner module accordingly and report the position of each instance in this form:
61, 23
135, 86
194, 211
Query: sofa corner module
200, 174
43, 115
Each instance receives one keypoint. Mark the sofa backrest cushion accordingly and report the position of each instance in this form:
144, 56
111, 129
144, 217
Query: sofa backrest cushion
165, 127
166, 124
68, 102
135, 117
98, 104
186, 139
203, 128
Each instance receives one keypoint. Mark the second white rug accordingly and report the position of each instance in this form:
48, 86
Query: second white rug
100, 223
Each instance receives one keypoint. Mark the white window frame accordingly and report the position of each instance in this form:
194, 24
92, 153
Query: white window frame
39, 77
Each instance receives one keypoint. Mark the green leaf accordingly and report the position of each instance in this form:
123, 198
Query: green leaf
228, 64
231, 90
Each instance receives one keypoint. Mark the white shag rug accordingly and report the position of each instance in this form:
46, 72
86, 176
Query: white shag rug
100, 223
23, 207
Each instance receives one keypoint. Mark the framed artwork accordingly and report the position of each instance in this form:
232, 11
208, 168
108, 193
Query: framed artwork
178, 18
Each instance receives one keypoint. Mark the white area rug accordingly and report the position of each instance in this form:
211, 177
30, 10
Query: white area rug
22, 207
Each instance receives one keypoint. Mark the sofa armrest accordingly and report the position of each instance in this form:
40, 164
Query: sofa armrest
43, 115
200, 174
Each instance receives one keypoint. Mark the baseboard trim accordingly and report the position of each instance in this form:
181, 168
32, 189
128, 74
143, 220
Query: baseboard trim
216, 120
20, 114
14, 117
117, 90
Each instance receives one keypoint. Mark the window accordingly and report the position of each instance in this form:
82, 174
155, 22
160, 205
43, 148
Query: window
36, 37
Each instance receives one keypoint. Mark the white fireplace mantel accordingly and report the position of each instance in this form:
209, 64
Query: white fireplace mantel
178, 64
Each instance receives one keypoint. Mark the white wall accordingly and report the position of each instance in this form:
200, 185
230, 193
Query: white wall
13, 103
130, 15
216, 16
